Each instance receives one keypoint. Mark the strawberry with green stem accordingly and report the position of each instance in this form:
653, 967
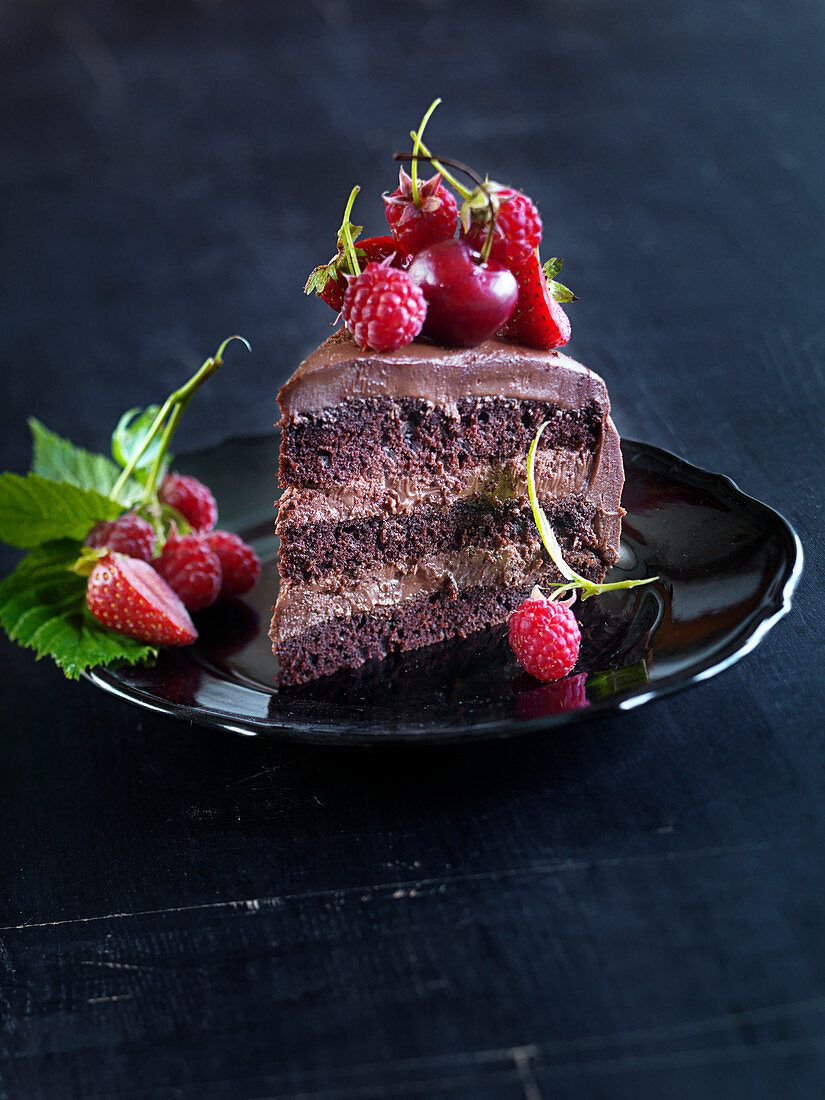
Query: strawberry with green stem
329, 281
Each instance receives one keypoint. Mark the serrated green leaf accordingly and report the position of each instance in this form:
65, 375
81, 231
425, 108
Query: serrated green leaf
35, 509
129, 436
552, 268
60, 460
43, 607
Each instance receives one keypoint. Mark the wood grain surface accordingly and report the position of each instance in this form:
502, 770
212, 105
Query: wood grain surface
634, 908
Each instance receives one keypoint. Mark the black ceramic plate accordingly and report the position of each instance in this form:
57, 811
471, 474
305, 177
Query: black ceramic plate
727, 566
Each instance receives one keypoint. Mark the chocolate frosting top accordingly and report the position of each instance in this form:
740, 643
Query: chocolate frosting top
339, 371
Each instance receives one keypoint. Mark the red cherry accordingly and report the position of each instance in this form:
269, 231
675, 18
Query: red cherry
467, 301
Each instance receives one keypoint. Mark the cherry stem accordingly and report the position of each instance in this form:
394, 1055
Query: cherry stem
482, 185
438, 163
417, 145
345, 234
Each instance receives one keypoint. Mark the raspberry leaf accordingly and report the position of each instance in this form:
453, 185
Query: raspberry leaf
35, 509
43, 607
129, 437
59, 460
574, 581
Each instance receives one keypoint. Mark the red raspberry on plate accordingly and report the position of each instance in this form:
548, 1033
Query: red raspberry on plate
192, 499
383, 308
128, 534
127, 595
545, 637
518, 224
240, 565
418, 224
192, 569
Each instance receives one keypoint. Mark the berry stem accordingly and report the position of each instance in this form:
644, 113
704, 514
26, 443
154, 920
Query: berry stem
174, 404
425, 154
573, 579
179, 400
417, 145
345, 234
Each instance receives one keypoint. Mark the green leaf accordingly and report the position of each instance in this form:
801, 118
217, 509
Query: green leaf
43, 607
35, 509
560, 292
552, 268
60, 460
130, 435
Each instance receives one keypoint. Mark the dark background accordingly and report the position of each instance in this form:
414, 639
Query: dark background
632, 908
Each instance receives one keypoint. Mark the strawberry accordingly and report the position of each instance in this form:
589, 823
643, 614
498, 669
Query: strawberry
128, 596
330, 280
538, 319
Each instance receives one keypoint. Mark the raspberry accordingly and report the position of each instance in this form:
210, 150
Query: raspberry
192, 499
191, 569
518, 226
129, 534
240, 565
545, 637
383, 308
555, 698
416, 225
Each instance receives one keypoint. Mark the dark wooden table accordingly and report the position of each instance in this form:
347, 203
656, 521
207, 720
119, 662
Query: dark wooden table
633, 908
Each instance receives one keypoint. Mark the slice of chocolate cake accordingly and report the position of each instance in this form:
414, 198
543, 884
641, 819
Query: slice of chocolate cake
405, 518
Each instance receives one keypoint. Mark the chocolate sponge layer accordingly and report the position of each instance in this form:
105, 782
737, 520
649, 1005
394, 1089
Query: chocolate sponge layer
326, 550
348, 643
368, 437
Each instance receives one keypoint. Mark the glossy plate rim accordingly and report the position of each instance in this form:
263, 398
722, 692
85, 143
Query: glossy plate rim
330, 733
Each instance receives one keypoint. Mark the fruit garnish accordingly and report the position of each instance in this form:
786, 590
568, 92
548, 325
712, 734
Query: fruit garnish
329, 281
127, 596
467, 300
420, 213
240, 565
77, 596
573, 581
545, 636
501, 223
191, 498
129, 534
383, 308
191, 569
538, 321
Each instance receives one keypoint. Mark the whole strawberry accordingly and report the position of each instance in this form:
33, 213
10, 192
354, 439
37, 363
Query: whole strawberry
515, 220
383, 308
545, 637
192, 569
538, 321
127, 595
240, 565
192, 499
330, 280
128, 534
422, 214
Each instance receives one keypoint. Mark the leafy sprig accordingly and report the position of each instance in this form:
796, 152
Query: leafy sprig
51, 510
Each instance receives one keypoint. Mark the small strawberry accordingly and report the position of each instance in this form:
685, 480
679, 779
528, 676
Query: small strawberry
383, 308
516, 229
545, 636
127, 595
420, 213
538, 319
330, 280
